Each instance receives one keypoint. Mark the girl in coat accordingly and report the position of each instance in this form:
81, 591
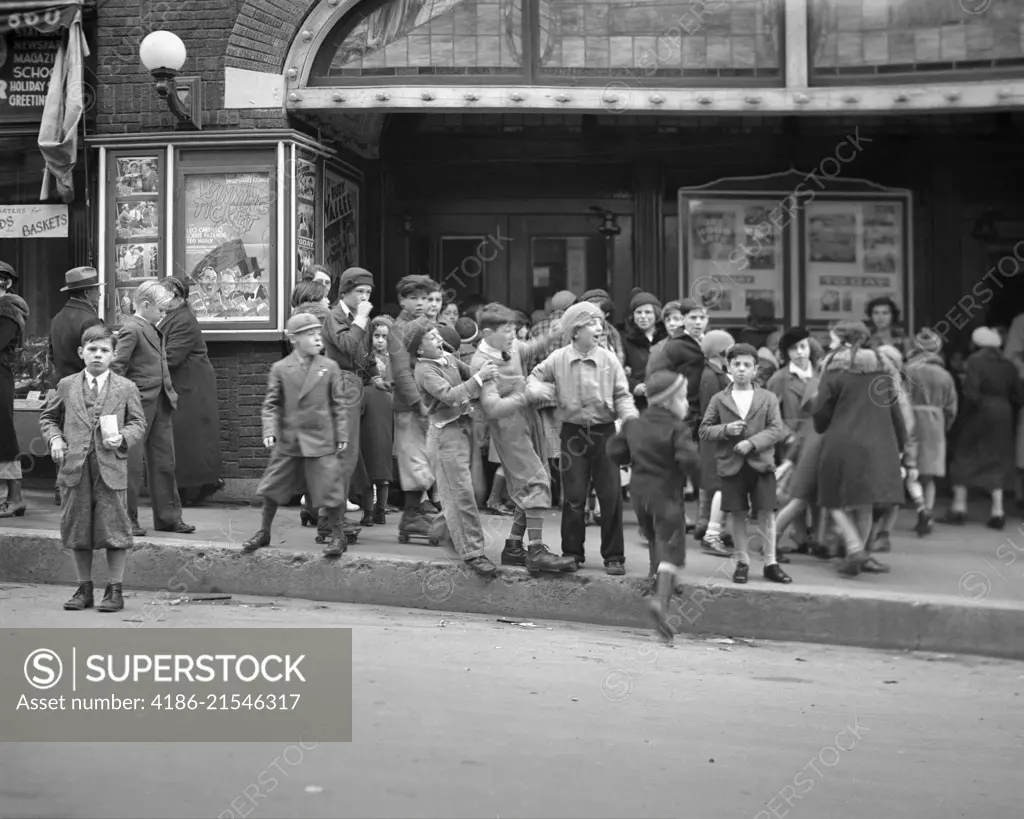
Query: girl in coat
863, 436
643, 331
933, 397
983, 457
376, 432
795, 384
715, 378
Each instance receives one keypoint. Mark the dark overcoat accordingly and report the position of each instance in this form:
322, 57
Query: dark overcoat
197, 445
66, 337
636, 347
140, 357
857, 413
983, 457
712, 381
796, 399
13, 313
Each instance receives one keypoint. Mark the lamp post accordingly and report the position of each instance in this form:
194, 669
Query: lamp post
163, 53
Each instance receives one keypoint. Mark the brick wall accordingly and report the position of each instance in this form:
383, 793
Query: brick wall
125, 94
241, 384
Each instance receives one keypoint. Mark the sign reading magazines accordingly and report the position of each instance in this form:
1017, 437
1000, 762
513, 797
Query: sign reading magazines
854, 253
305, 219
341, 223
29, 40
228, 253
734, 256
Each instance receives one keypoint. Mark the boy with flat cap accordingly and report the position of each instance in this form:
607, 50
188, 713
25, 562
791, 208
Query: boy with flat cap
305, 416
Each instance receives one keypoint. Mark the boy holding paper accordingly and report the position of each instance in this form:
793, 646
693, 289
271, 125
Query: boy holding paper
89, 423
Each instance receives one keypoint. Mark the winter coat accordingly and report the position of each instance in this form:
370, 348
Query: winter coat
796, 399
863, 431
66, 330
637, 348
983, 457
765, 431
197, 453
933, 398
13, 315
683, 355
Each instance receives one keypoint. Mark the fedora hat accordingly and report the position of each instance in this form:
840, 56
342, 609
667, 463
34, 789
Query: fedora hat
80, 278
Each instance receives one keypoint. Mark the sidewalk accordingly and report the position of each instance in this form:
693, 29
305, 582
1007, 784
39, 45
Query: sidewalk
959, 590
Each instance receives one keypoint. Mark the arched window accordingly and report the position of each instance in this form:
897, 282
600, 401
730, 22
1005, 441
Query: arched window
583, 42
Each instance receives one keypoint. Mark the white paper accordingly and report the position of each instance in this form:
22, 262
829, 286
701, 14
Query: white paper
108, 426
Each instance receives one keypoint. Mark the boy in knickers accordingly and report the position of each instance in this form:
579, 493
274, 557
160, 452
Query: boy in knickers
90, 422
305, 414
660, 449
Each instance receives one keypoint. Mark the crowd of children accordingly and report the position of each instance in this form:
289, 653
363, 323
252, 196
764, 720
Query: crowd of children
475, 407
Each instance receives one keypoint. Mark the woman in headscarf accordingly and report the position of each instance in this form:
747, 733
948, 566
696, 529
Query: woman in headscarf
983, 457
197, 454
857, 413
13, 315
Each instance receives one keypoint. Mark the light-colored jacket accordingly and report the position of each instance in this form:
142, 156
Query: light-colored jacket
558, 376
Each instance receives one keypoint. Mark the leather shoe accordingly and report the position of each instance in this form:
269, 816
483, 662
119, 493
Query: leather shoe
482, 566
113, 599
776, 575
258, 541
137, 531
81, 599
741, 573
615, 568
539, 559
179, 528
514, 554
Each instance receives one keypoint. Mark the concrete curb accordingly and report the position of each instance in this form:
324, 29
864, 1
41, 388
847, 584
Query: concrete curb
856, 617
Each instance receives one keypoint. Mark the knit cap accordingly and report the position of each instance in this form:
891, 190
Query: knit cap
986, 337
642, 298
563, 300
716, 342
663, 385
467, 329
596, 294
579, 315
414, 332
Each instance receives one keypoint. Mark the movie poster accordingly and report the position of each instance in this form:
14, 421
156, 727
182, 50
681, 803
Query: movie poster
855, 253
305, 217
733, 255
341, 222
229, 256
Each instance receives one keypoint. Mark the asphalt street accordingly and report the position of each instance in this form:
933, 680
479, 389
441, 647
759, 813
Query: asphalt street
463, 716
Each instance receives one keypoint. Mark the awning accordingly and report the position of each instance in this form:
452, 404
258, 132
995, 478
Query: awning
58, 131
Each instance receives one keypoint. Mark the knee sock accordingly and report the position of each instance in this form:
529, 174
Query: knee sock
715, 517
766, 525
382, 494
739, 536
519, 524
267, 515
83, 565
116, 560
960, 499
535, 525
916, 493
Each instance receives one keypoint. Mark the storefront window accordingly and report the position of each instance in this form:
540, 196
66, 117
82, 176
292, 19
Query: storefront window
229, 258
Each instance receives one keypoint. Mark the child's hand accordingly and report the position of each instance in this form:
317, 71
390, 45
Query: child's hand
735, 428
114, 442
488, 371
58, 449
269, 442
743, 448
641, 389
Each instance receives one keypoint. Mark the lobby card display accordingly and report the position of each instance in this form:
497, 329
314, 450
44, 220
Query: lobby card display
733, 255
305, 218
854, 251
137, 253
229, 260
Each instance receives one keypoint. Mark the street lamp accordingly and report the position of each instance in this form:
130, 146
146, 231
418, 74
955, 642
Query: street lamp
163, 53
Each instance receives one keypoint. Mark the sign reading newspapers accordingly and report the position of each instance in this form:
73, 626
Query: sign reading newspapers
176, 685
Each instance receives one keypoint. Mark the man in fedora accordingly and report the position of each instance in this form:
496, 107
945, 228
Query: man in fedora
82, 284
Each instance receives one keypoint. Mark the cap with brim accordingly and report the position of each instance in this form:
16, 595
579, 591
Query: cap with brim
7, 270
80, 278
415, 331
451, 337
302, 323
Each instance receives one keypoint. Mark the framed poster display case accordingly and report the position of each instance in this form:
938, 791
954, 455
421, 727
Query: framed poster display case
734, 251
226, 238
136, 216
855, 249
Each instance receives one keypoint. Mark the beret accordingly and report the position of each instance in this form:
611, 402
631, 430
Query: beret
354, 277
641, 298
451, 337
794, 335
